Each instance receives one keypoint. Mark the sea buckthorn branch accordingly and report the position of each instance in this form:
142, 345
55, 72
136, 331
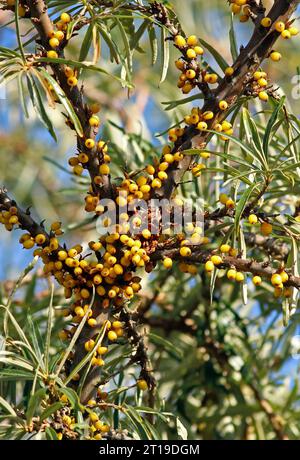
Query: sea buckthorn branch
92, 155
22, 218
69, 274
229, 89
201, 256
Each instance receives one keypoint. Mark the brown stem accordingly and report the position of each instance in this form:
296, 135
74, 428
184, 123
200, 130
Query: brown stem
244, 265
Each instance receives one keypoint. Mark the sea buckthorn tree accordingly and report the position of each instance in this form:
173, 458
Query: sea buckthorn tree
160, 296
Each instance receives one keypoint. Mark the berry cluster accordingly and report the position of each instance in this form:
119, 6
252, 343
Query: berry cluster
56, 37
240, 7
188, 65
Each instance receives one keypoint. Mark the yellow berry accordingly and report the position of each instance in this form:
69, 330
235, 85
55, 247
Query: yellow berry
162, 175
89, 345
93, 417
235, 8
226, 125
102, 350
229, 203
223, 198
216, 260
150, 169
72, 81
211, 78
192, 40
284, 276
279, 26
54, 42
156, 183
104, 169
198, 50
59, 35
13, 220
233, 252
244, 18
78, 170
40, 239
142, 385
257, 280
263, 96
180, 65
205, 155
89, 143
191, 74
52, 54
252, 219
185, 252
208, 115
262, 82
209, 266
202, 126
191, 54
223, 105
266, 22
91, 402
257, 75
275, 56
112, 336
276, 280
169, 158
225, 248
65, 17
94, 121
85, 294
167, 262
83, 158
187, 88
286, 34
146, 233
79, 312
239, 277
92, 322
28, 244
231, 274
293, 30
229, 71
62, 255
95, 107
266, 228
180, 41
